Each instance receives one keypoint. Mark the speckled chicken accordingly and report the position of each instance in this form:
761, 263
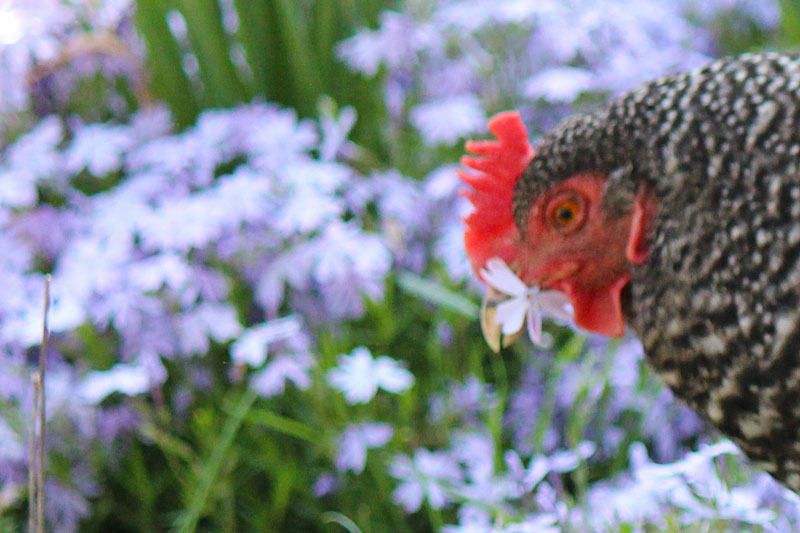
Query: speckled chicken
674, 210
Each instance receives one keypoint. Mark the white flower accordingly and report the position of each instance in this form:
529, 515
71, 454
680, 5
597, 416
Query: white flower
524, 300
359, 376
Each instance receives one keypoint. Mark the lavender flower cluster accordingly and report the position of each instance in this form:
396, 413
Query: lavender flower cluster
148, 232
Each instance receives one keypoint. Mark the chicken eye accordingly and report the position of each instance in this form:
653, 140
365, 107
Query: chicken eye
566, 214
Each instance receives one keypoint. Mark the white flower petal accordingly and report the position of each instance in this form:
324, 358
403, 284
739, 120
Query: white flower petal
535, 321
498, 275
555, 305
511, 315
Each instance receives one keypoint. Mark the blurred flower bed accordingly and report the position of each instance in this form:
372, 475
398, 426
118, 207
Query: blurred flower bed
263, 318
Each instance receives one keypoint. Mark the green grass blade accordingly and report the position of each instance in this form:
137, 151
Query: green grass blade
342, 520
165, 61
208, 475
302, 61
790, 21
212, 47
282, 424
259, 43
437, 294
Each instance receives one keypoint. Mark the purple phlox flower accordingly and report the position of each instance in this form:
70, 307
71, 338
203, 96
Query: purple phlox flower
17, 188
766, 14
693, 479
395, 44
694, 466
690, 484
475, 451
13, 448
271, 380
535, 523
164, 155
308, 176
446, 120
167, 269
151, 122
471, 519
219, 129
116, 215
326, 483
449, 248
216, 321
269, 288
526, 479
150, 333
359, 376
33, 157
348, 265
525, 301
48, 228
113, 422
92, 265
463, 17
182, 224
22, 309
127, 308
354, 442
466, 400
274, 138
37, 151
429, 475
252, 346
335, 129
443, 183
125, 378
192, 156
670, 423
344, 249
308, 200
740, 504
401, 200
204, 283
65, 507
628, 358
99, 148
558, 84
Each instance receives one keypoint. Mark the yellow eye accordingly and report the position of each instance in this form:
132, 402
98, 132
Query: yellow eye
566, 214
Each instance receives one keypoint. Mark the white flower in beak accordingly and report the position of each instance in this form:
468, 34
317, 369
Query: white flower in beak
506, 316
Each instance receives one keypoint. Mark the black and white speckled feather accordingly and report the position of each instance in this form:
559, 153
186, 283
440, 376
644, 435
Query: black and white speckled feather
716, 303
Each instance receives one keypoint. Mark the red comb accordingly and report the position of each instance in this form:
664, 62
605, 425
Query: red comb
491, 231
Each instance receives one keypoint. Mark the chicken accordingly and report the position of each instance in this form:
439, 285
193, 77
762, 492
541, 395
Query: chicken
674, 211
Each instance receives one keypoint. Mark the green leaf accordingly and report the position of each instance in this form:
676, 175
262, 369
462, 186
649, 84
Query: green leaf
437, 294
212, 47
790, 20
284, 425
292, 25
342, 520
188, 519
261, 46
165, 61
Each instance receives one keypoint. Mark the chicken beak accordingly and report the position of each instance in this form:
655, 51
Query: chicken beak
492, 331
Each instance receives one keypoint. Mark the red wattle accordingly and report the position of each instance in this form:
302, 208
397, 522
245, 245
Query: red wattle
598, 309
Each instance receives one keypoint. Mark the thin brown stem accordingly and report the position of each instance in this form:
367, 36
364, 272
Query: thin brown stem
32, 457
40, 450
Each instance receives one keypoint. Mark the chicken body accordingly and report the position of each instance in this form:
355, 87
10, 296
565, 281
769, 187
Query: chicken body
716, 303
